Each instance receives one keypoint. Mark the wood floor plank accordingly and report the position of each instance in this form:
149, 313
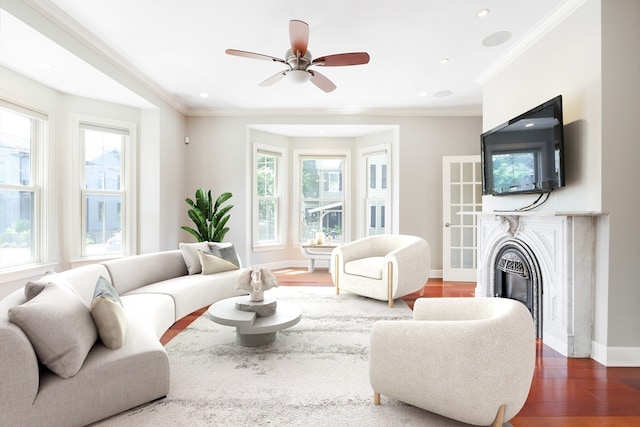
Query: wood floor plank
565, 392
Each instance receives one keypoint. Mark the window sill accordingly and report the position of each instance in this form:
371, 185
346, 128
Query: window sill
28, 271
265, 248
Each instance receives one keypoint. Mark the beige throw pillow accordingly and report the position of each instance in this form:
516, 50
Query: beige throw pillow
108, 314
215, 263
59, 326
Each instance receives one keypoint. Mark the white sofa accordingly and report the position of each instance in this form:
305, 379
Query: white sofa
469, 359
382, 267
156, 290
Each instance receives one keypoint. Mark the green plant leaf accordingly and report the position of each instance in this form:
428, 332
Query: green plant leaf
209, 218
192, 232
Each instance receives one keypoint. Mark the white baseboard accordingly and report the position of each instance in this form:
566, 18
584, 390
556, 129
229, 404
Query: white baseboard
628, 357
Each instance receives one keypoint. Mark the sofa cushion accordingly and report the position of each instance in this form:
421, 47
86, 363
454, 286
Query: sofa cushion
108, 314
59, 326
370, 267
190, 255
219, 260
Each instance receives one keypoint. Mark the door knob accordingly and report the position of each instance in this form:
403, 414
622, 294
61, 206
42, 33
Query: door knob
446, 224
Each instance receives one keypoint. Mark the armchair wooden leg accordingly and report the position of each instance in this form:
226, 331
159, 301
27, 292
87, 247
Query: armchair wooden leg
376, 398
499, 417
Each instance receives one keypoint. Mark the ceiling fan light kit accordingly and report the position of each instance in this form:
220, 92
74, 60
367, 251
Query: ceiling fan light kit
299, 59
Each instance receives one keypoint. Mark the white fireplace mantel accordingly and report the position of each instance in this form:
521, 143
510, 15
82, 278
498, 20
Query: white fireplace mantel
563, 245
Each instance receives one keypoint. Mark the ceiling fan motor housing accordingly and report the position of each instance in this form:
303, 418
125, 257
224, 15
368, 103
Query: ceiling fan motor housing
298, 63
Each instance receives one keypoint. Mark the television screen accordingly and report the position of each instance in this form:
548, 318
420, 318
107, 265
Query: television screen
525, 155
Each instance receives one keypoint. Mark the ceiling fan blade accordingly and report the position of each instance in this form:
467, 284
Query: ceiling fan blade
340, 59
321, 81
252, 55
299, 36
274, 79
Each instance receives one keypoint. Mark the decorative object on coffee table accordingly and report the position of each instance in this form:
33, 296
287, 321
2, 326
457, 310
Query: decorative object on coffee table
256, 281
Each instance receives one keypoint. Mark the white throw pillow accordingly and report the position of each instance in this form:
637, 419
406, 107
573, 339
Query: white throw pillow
59, 326
190, 255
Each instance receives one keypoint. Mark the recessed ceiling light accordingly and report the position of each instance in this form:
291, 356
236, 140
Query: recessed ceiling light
204, 95
442, 94
496, 39
482, 13
528, 125
44, 65
423, 93
444, 61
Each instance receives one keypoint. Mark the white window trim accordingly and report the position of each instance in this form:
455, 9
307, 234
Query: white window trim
41, 155
346, 188
129, 222
283, 207
363, 182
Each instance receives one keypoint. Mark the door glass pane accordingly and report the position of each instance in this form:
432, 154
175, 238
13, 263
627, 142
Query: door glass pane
469, 258
455, 172
455, 237
456, 197
467, 190
467, 237
455, 217
456, 261
467, 172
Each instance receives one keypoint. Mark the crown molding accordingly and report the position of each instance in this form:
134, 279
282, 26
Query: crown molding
549, 22
71, 27
467, 111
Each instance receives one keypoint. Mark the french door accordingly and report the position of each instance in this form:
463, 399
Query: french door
462, 200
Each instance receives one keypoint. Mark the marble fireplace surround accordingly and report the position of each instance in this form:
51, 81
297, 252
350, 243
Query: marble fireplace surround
563, 245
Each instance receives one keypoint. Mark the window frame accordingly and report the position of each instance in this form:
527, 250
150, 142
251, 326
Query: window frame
280, 197
128, 187
39, 123
385, 180
304, 154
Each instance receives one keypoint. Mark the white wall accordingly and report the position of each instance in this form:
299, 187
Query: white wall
565, 62
592, 59
621, 175
218, 152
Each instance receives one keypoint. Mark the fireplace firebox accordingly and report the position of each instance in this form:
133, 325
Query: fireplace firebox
517, 276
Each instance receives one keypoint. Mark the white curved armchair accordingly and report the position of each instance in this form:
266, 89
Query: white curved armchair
469, 359
382, 267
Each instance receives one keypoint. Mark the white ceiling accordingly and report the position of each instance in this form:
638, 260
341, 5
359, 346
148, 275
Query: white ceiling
179, 46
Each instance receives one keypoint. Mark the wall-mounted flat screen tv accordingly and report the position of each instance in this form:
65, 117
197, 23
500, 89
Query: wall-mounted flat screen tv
525, 154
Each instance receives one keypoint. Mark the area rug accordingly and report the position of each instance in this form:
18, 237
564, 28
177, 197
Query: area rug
314, 374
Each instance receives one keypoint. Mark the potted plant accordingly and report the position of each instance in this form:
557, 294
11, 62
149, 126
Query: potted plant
209, 218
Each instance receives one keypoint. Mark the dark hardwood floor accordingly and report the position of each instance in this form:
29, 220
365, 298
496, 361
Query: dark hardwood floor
565, 392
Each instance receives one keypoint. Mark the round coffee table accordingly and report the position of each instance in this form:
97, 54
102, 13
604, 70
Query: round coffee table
252, 330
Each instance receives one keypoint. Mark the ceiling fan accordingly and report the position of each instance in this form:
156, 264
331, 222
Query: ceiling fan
299, 60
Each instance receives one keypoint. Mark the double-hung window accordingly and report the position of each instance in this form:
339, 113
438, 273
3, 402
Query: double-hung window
322, 196
22, 140
268, 212
106, 216
377, 191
